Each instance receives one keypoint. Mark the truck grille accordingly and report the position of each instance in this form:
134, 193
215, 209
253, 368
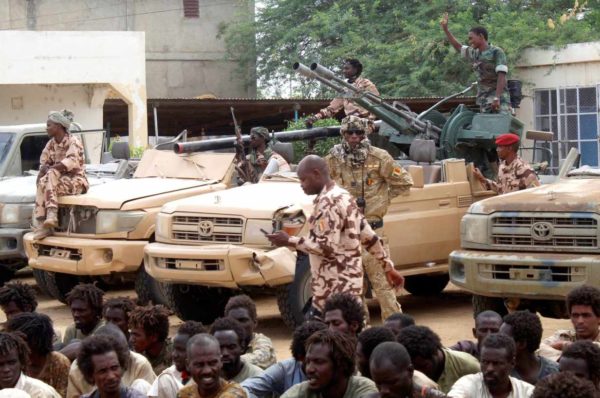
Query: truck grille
58, 252
547, 232
187, 264
207, 229
541, 273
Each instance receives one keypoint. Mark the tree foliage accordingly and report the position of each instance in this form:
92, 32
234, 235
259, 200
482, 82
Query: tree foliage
400, 43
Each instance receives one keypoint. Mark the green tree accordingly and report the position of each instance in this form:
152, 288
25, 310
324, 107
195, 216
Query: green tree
399, 42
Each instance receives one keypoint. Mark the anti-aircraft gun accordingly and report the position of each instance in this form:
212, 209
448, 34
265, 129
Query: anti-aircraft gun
464, 134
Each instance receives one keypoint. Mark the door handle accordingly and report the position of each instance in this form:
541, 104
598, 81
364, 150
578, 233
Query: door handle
444, 202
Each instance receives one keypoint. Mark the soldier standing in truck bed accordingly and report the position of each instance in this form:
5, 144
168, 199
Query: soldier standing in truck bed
371, 176
489, 63
352, 70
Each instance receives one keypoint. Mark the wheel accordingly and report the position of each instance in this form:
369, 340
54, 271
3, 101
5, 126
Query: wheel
426, 285
483, 303
59, 284
196, 303
294, 299
148, 289
40, 280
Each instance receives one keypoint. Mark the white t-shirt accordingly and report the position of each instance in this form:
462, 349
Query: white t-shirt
472, 386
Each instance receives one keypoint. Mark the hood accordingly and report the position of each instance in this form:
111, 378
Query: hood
114, 194
22, 189
250, 201
568, 194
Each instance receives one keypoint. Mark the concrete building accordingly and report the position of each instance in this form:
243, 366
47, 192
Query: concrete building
562, 91
184, 56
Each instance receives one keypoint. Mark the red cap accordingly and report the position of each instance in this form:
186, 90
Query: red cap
507, 139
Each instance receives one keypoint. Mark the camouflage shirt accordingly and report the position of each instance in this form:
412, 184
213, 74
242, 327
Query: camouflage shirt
349, 107
228, 390
70, 153
487, 64
513, 177
378, 179
260, 352
56, 372
337, 229
547, 351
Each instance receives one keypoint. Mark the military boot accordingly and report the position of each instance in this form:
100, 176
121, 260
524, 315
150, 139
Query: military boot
51, 218
41, 233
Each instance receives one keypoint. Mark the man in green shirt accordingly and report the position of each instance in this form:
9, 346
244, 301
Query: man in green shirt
329, 366
440, 364
490, 65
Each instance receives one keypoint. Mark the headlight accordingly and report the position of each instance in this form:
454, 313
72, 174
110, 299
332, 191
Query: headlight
253, 234
111, 221
474, 229
162, 226
14, 213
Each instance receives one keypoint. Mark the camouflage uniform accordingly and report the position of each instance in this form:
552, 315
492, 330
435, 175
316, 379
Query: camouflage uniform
513, 177
337, 229
260, 351
70, 153
259, 161
487, 64
547, 351
370, 173
347, 104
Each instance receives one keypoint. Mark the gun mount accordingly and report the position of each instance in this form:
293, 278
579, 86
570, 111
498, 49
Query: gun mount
464, 134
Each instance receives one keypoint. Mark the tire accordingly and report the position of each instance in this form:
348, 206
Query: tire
59, 284
426, 285
483, 303
295, 298
148, 289
40, 280
196, 303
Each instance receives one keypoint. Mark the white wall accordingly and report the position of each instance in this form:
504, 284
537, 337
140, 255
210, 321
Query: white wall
78, 64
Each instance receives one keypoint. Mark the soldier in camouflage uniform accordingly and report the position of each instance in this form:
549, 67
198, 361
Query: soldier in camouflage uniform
262, 157
62, 171
489, 63
352, 70
514, 173
337, 230
371, 176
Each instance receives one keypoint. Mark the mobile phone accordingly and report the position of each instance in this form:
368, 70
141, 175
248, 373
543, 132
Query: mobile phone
264, 232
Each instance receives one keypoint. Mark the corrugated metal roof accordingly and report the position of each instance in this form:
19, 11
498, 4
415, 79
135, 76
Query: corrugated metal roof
294, 99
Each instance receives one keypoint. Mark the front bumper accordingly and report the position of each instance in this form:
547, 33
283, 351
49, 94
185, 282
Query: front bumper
545, 276
84, 256
11, 243
227, 266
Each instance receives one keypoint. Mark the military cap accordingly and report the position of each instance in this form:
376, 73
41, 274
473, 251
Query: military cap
507, 139
262, 131
354, 123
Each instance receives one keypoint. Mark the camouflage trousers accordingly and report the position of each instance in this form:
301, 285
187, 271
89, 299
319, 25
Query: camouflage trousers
385, 294
51, 186
485, 102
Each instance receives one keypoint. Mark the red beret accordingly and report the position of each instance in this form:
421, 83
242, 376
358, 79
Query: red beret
507, 139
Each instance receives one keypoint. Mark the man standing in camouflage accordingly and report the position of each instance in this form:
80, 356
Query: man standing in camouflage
514, 173
62, 171
370, 175
489, 63
352, 70
262, 158
337, 229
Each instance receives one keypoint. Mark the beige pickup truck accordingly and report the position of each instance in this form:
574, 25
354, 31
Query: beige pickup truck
102, 233
207, 246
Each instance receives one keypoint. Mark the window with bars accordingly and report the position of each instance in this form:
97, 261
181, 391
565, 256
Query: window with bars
191, 8
572, 114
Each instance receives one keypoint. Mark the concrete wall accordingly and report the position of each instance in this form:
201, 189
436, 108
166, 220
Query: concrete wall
184, 58
571, 66
42, 71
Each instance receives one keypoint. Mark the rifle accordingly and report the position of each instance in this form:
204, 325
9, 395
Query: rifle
246, 172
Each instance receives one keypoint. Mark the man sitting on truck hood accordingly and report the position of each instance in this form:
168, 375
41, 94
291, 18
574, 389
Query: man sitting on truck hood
62, 171
514, 173
583, 304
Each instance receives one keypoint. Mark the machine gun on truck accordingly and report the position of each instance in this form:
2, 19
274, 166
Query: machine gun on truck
464, 134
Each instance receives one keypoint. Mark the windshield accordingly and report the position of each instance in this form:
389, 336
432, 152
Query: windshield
6, 140
584, 171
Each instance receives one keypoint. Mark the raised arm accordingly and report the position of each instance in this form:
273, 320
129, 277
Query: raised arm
444, 24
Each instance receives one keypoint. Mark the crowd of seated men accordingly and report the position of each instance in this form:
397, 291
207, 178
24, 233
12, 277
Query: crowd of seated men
115, 348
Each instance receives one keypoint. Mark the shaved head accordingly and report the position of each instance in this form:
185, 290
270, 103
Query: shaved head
313, 174
203, 340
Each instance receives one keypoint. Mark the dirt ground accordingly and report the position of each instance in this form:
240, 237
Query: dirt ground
448, 314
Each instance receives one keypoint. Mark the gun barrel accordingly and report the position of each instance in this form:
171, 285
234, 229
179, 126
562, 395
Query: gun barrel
282, 136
